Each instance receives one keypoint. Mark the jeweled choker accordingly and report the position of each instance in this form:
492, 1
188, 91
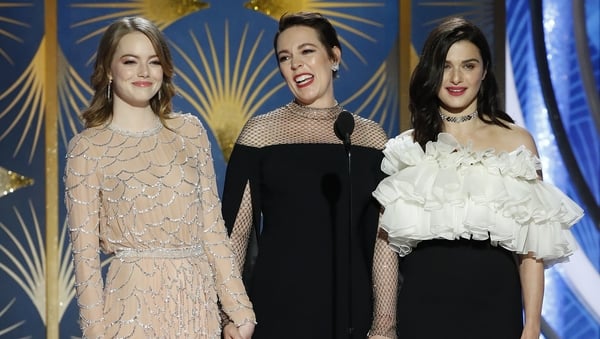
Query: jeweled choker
459, 119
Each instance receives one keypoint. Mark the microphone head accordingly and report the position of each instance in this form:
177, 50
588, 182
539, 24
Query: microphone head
344, 126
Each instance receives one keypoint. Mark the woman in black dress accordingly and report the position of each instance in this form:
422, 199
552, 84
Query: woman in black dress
288, 181
465, 206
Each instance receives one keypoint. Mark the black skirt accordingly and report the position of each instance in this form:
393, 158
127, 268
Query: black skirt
459, 289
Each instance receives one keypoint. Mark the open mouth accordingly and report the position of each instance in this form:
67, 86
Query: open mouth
303, 79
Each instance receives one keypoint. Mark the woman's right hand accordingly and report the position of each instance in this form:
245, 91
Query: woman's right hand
246, 330
230, 331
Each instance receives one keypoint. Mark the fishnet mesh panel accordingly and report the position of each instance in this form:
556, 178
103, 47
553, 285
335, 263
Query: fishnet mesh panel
242, 229
240, 235
385, 285
296, 124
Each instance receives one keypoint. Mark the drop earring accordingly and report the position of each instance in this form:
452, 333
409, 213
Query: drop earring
108, 90
335, 67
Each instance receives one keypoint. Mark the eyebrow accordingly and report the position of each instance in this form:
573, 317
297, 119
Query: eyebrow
306, 44
468, 60
137, 56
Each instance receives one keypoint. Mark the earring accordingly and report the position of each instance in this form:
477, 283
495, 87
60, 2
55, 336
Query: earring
159, 94
335, 67
108, 91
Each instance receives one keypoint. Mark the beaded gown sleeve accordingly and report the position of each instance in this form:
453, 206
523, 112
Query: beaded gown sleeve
232, 295
83, 205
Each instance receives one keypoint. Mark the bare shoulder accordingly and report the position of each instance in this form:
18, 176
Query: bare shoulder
514, 137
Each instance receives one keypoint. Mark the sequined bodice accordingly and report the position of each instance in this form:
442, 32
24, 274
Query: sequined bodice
148, 188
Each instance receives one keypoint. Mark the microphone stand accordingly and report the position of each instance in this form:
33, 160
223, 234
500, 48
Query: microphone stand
343, 127
349, 154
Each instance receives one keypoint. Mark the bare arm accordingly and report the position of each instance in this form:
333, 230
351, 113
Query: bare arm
531, 272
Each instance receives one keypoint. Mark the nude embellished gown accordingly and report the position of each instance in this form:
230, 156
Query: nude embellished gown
149, 200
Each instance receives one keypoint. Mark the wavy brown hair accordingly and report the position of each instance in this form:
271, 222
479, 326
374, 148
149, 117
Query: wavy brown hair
427, 78
100, 109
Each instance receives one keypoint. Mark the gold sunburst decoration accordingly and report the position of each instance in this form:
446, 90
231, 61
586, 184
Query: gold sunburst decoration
28, 261
162, 12
27, 105
229, 92
382, 88
382, 99
73, 95
3, 53
11, 181
10, 328
334, 11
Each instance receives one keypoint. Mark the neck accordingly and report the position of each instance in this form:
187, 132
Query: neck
134, 120
457, 119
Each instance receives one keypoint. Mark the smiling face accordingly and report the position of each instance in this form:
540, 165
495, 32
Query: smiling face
463, 73
306, 66
135, 70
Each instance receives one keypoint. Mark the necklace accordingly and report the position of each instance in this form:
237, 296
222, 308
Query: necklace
460, 119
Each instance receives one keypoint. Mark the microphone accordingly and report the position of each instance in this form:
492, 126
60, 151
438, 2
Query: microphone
343, 127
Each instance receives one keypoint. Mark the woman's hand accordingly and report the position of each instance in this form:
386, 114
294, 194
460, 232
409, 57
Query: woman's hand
530, 332
230, 331
246, 330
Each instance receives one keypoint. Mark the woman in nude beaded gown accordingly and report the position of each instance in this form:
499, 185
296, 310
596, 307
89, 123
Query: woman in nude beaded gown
288, 180
140, 186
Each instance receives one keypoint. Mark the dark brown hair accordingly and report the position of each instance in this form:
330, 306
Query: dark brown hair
427, 77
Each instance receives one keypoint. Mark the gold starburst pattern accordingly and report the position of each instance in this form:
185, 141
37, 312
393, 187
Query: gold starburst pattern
162, 12
28, 261
73, 94
8, 329
229, 92
382, 100
334, 11
28, 102
11, 181
11, 21
383, 86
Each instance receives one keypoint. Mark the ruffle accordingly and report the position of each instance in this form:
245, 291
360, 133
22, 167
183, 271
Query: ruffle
449, 192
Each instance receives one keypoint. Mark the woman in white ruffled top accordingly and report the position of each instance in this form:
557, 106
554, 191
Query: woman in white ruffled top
464, 203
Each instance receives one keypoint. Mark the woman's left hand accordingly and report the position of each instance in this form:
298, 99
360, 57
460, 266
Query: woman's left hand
246, 330
230, 331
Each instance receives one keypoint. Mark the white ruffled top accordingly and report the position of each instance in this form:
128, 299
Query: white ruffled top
449, 192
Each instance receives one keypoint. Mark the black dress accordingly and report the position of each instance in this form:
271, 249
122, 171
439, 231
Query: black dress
465, 289
297, 174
